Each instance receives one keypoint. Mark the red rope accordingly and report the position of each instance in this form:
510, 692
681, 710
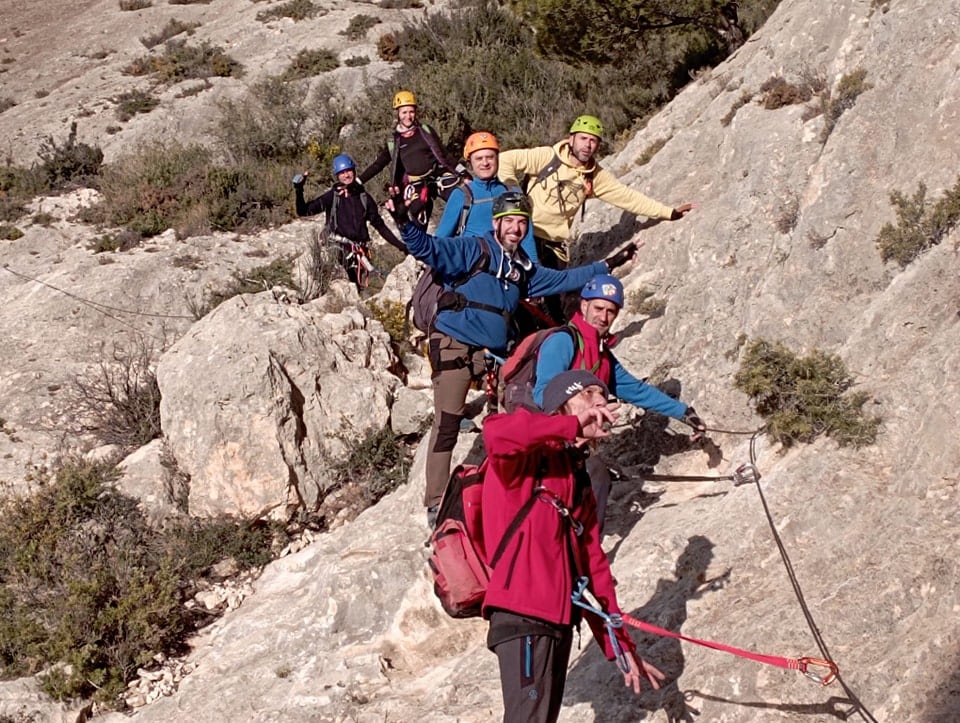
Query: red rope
801, 664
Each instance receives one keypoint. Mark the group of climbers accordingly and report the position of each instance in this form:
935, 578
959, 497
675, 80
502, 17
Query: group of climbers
504, 238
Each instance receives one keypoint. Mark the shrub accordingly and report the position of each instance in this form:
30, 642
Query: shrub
804, 397
644, 301
358, 26
278, 272
86, 583
173, 28
387, 47
356, 61
376, 465
401, 4
834, 105
42, 218
180, 61
294, 9
181, 187
8, 232
190, 2
393, 316
308, 63
919, 225
320, 268
779, 92
279, 121
70, 164
123, 241
6, 103
135, 4
120, 403
134, 101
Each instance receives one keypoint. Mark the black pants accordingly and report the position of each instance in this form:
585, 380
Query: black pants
533, 667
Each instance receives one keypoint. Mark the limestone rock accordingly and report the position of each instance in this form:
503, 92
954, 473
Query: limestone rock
411, 412
258, 398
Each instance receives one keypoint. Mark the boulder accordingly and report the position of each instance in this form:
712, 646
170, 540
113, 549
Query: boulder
259, 398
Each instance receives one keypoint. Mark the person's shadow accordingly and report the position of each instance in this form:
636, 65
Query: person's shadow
594, 680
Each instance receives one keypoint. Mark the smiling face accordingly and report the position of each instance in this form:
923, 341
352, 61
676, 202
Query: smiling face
484, 163
346, 177
510, 230
407, 115
599, 313
583, 146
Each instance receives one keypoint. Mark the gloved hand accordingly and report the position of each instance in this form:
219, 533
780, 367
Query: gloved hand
398, 209
692, 419
299, 179
622, 256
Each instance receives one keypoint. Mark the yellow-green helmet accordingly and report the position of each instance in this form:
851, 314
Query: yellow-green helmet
404, 97
587, 124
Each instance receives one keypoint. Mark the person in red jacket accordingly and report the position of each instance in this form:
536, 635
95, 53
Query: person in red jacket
528, 600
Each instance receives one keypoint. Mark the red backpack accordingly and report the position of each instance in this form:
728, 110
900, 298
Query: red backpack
518, 375
461, 571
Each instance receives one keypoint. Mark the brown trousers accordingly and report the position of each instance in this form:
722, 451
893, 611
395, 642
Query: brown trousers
455, 366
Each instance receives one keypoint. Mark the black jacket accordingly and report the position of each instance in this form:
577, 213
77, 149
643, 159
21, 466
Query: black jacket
346, 214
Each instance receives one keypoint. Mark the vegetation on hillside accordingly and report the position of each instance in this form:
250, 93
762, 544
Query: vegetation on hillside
802, 397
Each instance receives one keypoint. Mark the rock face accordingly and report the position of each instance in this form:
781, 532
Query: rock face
781, 246
260, 397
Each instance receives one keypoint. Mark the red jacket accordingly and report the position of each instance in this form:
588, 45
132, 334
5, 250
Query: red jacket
534, 576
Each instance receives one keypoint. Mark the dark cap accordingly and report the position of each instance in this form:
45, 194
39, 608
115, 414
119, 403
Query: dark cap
566, 385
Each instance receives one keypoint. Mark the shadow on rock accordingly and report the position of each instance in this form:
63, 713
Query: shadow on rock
667, 609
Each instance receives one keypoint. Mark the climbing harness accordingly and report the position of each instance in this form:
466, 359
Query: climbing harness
354, 258
614, 621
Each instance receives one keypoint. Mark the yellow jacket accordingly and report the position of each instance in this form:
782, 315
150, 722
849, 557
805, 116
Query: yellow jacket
558, 197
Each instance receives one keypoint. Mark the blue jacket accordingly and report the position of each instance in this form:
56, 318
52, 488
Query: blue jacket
507, 281
556, 355
480, 214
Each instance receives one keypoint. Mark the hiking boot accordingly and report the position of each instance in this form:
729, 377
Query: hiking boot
432, 516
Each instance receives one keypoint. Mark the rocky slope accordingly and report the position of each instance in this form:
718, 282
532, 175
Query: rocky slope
782, 245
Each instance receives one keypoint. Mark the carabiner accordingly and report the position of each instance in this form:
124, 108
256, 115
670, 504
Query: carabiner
832, 671
746, 474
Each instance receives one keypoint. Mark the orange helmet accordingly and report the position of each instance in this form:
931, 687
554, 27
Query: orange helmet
480, 141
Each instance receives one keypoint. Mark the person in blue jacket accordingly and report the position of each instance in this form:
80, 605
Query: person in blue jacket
469, 209
477, 315
588, 346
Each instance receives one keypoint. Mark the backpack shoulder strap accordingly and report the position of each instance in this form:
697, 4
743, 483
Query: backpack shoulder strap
548, 170
332, 215
465, 211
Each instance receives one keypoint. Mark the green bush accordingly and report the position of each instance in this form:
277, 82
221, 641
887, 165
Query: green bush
376, 465
803, 397
180, 61
356, 61
919, 225
294, 9
173, 28
70, 164
393, 316
181, 187
134, 101
835, 104
86, 583
8, 232
278, 121
278, 272
779, 92
308, 63
358, 26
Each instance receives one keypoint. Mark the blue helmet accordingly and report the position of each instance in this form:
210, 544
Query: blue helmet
342, 163
604, 286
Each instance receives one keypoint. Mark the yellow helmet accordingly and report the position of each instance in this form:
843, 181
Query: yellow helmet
480, 141
404, 97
